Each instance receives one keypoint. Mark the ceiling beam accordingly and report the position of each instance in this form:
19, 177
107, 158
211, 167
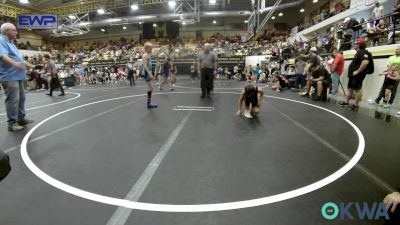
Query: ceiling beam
92, 5
11, 11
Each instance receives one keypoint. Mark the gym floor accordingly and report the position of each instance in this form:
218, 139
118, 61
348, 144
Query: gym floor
192, 151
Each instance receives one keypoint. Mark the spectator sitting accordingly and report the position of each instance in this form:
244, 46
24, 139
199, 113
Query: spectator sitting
274, 65
339, 7
375, 31
291, 71
263, 78
247, 73
278, 82
219, 72
319, 79
365, 27
31, 81
228, 74
236, 70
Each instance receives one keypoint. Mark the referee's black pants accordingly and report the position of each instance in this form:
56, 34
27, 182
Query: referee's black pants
206, 81
131, 78
55, 83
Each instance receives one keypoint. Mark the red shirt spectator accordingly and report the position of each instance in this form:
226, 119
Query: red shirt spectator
338, 64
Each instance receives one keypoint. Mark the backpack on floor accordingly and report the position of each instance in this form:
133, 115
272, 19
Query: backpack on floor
5, 167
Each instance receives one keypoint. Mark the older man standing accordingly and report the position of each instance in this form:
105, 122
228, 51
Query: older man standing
12, 75
207, 66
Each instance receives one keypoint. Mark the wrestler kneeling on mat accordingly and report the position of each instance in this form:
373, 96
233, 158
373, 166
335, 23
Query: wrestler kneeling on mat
250, 97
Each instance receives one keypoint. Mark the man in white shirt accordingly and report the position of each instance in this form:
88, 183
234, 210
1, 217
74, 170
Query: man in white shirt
235, 69
377, 12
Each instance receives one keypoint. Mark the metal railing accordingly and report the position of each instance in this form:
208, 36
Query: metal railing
361, 31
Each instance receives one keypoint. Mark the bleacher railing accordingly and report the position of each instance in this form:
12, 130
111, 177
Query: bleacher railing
361, 31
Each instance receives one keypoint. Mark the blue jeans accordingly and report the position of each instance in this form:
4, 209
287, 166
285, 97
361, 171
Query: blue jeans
15, 100
299, 80
335, 83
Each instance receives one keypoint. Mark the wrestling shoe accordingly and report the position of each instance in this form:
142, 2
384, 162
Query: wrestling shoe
248, 115
152, 106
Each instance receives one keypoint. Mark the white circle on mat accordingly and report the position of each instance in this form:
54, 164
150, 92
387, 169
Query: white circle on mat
200, 207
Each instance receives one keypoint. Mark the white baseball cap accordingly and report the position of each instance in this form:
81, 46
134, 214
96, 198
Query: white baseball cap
314, 49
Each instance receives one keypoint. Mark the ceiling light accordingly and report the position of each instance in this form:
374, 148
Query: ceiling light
183, 23
134, 7
246, 21
273, 17
214, 22
280, 14
145, 17
315, 1
72, 17
172, 4
154, 25
124, 28
213, 1
102, 30
114, 20
84, 23
212, 13
24, 1
301, 10
101, 11
140, 23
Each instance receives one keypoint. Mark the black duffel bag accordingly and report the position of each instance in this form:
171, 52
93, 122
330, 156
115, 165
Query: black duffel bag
5, 167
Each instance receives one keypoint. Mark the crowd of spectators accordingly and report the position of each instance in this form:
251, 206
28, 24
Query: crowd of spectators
325, 13
342, 33
28, 46
131, 50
